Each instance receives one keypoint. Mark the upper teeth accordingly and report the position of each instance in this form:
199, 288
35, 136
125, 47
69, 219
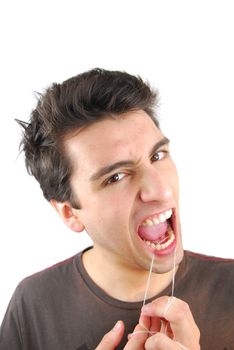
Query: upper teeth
157, 218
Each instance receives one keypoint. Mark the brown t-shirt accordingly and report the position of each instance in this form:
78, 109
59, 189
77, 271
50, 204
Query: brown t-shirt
61, 308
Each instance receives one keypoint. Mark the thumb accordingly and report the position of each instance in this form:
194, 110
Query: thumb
112, 338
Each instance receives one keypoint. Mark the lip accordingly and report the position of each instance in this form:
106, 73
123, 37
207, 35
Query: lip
164, 252
171, 248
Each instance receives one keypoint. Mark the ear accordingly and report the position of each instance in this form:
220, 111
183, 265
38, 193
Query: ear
69, 215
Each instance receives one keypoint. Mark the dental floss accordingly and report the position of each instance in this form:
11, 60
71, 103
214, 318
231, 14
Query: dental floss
182, 346
169, 302
145, 297
148, 280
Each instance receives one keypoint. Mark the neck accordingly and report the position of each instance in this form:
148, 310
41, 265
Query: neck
130, 283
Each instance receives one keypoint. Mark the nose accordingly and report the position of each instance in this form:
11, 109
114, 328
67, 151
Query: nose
155, 186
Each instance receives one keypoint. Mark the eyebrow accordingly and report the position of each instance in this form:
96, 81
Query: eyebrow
127, 163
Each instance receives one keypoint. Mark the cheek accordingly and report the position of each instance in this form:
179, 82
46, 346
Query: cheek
105, 213
175, 186
173, 179
115, 209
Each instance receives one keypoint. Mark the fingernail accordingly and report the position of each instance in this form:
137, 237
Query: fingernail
145, 309
117, 326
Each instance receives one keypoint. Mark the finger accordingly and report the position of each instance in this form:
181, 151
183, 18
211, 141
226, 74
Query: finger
137, 338
151, 324
166, 328
159, 307
155, 324
160, 341
145, 322
112, 338
177, 312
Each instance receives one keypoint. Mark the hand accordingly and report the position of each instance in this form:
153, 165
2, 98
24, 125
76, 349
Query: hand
112, 338
170, 326
165, 324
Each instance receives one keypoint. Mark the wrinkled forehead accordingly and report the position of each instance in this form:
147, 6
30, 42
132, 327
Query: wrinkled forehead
112, 140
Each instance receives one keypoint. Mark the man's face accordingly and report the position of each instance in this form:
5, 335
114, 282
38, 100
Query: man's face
127, 185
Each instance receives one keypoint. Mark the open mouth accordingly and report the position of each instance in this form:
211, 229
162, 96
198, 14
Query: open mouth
157, 231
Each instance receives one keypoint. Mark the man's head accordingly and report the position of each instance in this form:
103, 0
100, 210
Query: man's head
73, 105
95, 147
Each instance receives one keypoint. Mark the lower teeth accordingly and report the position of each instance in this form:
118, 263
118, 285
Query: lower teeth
160, 246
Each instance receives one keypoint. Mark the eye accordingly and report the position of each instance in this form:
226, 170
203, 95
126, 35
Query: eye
115, 178
159, 156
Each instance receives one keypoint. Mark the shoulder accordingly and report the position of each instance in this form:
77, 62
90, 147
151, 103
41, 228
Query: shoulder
43, 284
210, 269
207, 260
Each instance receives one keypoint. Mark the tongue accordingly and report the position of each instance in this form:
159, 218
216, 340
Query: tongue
153, 233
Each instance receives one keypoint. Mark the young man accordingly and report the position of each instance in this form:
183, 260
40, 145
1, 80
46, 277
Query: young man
95, 146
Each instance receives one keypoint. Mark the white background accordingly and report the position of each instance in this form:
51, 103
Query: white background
185, 48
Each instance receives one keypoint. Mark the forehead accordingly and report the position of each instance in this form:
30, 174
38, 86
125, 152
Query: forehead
112, 140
